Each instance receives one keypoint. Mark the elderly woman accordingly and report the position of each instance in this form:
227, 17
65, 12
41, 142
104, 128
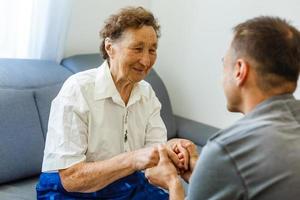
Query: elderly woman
104, 122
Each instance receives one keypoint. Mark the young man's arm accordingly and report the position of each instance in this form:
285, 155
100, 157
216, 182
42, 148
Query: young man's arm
165, 175
215, 176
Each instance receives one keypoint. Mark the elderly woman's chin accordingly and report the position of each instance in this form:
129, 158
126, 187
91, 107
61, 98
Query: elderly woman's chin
137, 76
137, 79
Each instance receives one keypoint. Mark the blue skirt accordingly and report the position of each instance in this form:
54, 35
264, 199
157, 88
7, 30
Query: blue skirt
133, 187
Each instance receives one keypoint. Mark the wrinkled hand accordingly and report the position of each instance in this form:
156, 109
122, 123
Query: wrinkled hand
181, 160
183, 156
177, 160
145, 158
193, 157
165, 172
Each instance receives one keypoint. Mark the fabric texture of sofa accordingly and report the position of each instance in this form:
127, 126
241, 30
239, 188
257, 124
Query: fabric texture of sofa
27, 88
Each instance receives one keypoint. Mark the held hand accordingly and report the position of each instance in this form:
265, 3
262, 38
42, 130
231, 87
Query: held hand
165, 173
145, 158
183, 155
181, 160
193, 157
175, 158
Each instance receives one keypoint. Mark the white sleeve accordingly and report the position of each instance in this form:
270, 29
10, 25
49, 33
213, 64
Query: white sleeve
67, 136
156, 131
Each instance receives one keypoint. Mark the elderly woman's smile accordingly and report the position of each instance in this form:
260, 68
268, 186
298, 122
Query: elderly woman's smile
139, 70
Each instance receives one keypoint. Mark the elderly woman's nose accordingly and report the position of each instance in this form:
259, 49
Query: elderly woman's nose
145, 59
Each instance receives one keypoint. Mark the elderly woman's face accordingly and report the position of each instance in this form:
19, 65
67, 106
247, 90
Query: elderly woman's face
133, 55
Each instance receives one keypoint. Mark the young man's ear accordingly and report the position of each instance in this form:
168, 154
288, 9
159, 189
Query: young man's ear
241, 71
108, 47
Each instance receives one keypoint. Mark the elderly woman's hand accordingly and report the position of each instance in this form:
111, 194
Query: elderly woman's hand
186, 156
191, 148
181, 161
145, 158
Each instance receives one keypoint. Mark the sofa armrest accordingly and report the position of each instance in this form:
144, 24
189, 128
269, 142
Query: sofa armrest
194, 131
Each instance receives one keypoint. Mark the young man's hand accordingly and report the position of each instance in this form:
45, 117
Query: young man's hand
165, 173
184, 156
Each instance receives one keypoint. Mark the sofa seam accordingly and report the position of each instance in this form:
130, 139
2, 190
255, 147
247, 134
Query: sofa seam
30, 88
39, 115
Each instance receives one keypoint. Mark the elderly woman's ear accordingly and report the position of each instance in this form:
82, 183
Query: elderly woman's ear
109, 47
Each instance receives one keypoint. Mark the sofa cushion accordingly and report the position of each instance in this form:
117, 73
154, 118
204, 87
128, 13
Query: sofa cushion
22, 189
42, 76
166, 110
44, 97
195, 131
22, 142
87, 61
82, 62
26, 73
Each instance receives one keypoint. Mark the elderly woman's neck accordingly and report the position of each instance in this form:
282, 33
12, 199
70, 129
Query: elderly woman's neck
124, 88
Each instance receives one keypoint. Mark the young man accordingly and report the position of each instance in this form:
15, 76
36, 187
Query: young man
258, 156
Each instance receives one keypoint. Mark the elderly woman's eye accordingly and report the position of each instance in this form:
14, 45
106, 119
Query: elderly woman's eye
152, 51
138, 49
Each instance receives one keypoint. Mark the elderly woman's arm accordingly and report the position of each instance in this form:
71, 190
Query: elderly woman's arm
93, 176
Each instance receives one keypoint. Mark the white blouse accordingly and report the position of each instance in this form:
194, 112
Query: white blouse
89, 121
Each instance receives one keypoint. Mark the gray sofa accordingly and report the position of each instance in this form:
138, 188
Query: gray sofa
27, 88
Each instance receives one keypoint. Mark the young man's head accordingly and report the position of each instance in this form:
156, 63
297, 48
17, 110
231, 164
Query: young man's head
264, 56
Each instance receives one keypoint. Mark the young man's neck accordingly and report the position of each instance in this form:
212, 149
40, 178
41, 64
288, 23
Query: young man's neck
252, 99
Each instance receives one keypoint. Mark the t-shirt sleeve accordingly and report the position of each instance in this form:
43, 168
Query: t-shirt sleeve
215, 176
156, 131
67, 135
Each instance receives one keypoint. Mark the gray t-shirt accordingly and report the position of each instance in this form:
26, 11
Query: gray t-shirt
256, 158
